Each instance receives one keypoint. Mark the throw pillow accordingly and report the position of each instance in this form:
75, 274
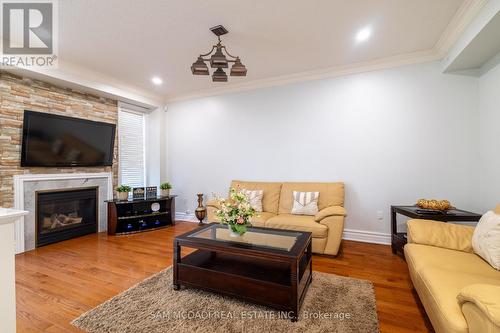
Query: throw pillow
305, 203
255, 198
486, 239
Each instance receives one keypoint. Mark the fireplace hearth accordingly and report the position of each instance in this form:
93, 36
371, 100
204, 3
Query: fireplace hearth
65, 214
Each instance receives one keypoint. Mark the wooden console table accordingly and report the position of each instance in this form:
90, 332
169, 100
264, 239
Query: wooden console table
137, 215
399, 239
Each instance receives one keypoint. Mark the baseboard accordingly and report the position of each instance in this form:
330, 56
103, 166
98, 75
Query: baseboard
367, 236
180, 216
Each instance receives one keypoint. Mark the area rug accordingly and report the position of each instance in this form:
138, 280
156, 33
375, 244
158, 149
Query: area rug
332, 304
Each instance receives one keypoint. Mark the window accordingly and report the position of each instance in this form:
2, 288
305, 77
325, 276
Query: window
131, 148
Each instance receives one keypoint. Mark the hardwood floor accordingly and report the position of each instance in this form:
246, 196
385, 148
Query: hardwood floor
58, 282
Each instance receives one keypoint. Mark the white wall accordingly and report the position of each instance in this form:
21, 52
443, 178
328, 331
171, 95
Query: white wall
392, 136
489, 115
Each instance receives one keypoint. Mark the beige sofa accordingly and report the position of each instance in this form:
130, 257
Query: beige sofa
459, 290
326, 226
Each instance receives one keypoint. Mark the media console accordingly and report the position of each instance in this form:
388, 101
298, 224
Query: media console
137, 215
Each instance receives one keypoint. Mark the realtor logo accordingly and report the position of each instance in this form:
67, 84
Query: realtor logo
29, 33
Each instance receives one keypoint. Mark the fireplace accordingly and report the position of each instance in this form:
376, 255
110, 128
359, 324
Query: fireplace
65, 214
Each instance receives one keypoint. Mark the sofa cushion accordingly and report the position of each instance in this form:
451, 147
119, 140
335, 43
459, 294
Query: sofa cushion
438, 275
271, 197
255, 198
299, 223
330, 194
486, 239
441, 288
305, 203
440, 234
424, 256
261, 218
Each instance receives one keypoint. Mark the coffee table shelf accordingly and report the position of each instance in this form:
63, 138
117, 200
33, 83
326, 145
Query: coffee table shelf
239, 266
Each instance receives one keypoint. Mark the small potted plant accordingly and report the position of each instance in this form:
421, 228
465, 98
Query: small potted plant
165, 189
122, 192
236, 212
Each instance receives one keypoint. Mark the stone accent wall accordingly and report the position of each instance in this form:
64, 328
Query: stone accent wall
18, 94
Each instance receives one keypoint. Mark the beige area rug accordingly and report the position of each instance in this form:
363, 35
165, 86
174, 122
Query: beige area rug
332, 304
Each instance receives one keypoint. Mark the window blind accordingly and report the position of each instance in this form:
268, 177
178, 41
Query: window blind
131, 148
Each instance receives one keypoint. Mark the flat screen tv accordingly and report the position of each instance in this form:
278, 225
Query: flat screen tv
57, 141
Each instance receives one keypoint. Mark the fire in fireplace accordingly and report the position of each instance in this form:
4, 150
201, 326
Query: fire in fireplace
65, 214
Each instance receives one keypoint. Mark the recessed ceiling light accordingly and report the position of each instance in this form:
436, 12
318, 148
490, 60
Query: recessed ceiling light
156, 80
363, 34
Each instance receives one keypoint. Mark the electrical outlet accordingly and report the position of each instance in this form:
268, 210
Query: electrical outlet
380, 215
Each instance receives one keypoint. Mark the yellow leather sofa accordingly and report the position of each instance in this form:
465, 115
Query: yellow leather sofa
326, 226
459, 290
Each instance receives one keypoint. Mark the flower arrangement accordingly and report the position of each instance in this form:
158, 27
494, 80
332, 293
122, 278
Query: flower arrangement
236, 212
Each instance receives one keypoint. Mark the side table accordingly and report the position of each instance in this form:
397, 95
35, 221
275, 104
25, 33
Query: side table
399, 239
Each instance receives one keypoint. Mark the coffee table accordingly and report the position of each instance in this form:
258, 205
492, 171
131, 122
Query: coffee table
271, 267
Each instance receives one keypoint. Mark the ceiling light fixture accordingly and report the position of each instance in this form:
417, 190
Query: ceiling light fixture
156, 80
218, 60
363, 34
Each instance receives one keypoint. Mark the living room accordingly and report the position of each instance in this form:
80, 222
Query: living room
221, 166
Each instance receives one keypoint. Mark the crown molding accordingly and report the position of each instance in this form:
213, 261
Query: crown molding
481, 25
462, 18
361, 67
87, 81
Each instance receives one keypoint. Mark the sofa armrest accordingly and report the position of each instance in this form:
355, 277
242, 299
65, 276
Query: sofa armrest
212, 206
335, 224
330, 211
480, 305
440, 234
213, 203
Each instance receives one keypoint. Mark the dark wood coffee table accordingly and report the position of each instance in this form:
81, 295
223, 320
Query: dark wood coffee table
266, 266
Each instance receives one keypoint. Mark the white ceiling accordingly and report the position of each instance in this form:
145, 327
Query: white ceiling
132, 41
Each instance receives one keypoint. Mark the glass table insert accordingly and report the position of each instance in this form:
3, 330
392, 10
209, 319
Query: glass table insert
263, 238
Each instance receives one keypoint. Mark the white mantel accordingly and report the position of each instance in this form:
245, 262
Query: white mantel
8, 218
26, 185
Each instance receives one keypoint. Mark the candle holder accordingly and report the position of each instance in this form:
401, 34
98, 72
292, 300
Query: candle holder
200, 211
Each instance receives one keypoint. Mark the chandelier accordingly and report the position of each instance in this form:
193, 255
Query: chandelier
218, 60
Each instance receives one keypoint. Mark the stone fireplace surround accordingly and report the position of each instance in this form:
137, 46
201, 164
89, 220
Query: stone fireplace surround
26, 185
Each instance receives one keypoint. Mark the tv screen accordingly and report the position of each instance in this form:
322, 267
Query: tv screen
56, 141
